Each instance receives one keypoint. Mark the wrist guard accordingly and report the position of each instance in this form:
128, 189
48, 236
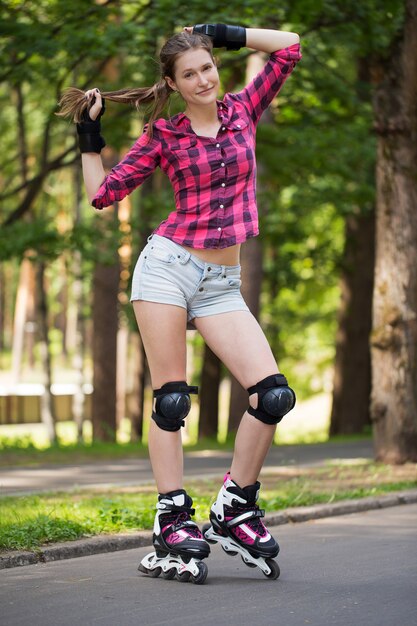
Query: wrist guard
223, 35
89, 137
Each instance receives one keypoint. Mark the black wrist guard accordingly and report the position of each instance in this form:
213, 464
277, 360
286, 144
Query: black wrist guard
89, 137
223, 35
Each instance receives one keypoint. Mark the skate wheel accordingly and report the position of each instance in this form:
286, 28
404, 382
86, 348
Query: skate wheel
248, 563
184, 577
169, 574
229, 552
202, 574
274, 567
154, 573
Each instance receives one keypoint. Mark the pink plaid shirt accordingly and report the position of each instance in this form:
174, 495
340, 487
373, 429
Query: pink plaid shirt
214, 179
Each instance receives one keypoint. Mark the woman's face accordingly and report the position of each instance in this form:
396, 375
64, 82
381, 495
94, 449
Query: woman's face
196, 77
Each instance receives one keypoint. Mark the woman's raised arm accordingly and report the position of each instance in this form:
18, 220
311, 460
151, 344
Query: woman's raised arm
266, 40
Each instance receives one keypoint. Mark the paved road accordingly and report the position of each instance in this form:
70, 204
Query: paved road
354, 570
138, 471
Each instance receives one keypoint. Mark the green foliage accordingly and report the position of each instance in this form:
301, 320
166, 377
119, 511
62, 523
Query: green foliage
317, 157
41, 239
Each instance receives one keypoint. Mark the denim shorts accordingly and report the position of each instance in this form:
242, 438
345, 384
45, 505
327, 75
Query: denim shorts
169, 274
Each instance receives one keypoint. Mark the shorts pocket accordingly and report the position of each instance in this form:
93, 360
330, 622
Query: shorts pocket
160, 255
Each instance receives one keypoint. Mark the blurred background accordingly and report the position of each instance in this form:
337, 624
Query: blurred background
332, 277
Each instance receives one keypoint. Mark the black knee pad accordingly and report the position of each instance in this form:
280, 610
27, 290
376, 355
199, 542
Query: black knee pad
275, 399
173, 403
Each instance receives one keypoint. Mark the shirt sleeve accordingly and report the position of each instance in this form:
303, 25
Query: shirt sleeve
138, 164
260, 92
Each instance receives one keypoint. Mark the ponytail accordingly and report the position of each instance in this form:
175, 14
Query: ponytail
73, 101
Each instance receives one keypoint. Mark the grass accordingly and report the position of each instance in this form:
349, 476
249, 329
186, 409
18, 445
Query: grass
28, 522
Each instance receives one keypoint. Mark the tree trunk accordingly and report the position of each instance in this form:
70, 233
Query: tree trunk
121, 371
208, 424
75, 321
394, 335
48, 417
136, 399
19, 321
352, 375
105, 326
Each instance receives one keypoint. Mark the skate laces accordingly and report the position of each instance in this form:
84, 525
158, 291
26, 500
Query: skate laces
256, 523
182, 520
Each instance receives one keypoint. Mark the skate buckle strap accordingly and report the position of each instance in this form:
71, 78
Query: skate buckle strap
180, 524
179, 386
174, 508
245, 517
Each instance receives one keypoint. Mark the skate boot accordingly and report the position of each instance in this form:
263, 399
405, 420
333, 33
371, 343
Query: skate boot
179, 544
236, 524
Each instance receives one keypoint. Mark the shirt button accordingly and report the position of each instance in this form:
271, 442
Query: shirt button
217, 145
238, 125
219, 229
222, 206
223, 184
223, 127
222, 164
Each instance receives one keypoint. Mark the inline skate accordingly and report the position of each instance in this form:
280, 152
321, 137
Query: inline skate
235, 523
178, 542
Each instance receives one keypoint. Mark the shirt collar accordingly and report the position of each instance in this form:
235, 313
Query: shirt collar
223, 112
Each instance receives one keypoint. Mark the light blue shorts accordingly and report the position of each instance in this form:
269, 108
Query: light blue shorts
169, 274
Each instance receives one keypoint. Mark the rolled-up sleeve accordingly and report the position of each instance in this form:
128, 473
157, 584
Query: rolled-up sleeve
138, 164
260, 92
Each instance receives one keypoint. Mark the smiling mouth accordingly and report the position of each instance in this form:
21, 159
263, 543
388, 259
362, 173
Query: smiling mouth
205, 91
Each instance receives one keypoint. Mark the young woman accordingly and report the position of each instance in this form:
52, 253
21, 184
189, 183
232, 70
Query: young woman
189, 272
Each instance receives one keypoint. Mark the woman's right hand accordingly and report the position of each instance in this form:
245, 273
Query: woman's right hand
95, 104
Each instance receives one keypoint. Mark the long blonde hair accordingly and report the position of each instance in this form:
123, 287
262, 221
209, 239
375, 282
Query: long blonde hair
73, 101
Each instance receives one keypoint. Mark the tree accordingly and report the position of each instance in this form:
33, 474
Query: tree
394, 334
352, 370
208, 423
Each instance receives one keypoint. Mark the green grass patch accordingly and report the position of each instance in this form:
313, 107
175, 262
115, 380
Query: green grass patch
22, 451
28, 522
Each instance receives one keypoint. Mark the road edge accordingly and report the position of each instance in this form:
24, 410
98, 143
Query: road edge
128, 541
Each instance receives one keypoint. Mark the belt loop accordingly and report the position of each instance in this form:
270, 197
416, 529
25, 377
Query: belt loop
185, 257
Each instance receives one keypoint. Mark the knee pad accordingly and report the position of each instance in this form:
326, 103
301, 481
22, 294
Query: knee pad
173, 403
275, 399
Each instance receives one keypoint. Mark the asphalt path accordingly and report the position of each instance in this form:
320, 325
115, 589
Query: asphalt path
20, 480
353, 570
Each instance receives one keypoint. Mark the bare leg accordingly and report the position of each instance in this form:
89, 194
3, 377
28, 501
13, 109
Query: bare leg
240, 343
163, 331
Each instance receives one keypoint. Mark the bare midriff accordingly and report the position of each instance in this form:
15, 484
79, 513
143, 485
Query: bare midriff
225, 256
